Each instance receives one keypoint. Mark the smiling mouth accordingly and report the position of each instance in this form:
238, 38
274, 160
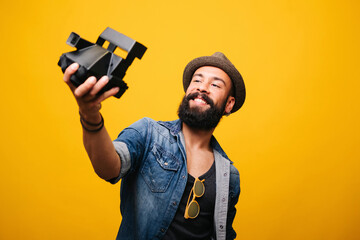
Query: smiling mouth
199, 100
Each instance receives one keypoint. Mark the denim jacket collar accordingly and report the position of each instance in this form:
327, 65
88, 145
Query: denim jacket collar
175, 128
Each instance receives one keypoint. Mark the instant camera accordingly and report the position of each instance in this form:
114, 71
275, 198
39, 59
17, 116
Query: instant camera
94, 60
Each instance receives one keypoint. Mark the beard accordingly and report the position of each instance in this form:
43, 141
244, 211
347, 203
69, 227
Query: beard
197, 118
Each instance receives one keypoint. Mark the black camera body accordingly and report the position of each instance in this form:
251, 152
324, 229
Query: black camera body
94, 60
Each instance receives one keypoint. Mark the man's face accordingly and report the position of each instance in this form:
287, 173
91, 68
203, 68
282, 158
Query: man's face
207, 98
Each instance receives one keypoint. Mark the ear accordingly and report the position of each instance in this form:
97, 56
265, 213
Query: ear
230, 102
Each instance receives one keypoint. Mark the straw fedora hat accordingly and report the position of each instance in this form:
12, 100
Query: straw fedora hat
218, 60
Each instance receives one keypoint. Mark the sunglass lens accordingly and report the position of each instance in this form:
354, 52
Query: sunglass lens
193, 209
199, 189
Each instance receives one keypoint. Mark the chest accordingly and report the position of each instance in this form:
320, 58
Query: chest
199, 161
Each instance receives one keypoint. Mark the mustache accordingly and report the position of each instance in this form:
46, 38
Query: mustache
194, 95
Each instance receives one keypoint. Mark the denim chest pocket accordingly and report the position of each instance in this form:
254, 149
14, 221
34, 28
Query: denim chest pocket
159, 168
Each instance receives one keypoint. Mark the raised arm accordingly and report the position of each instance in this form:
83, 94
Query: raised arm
97, 142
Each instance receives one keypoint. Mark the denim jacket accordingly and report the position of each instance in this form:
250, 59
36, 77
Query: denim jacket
154, 176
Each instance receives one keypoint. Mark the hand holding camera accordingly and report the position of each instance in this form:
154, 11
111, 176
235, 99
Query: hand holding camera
94, 73
87, 94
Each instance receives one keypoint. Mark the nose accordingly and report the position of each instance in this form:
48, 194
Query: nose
203, 87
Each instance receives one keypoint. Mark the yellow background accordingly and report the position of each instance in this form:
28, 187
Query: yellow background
295, 141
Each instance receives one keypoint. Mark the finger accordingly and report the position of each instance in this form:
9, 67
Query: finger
68, 73
99, 85
85, 87
108, 94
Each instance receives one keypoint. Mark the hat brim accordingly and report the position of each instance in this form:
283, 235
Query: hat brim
227, 67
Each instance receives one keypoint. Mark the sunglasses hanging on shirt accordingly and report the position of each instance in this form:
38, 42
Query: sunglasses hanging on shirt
192, 209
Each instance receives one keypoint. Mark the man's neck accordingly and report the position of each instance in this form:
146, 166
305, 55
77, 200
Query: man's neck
196, 138
199, 154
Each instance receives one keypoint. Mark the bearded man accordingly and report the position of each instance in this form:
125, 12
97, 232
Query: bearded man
177, 182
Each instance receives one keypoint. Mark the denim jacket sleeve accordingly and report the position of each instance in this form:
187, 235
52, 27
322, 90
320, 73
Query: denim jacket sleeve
130, 145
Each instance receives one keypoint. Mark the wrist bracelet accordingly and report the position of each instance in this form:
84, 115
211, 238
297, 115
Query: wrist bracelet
100, 124
91, 124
